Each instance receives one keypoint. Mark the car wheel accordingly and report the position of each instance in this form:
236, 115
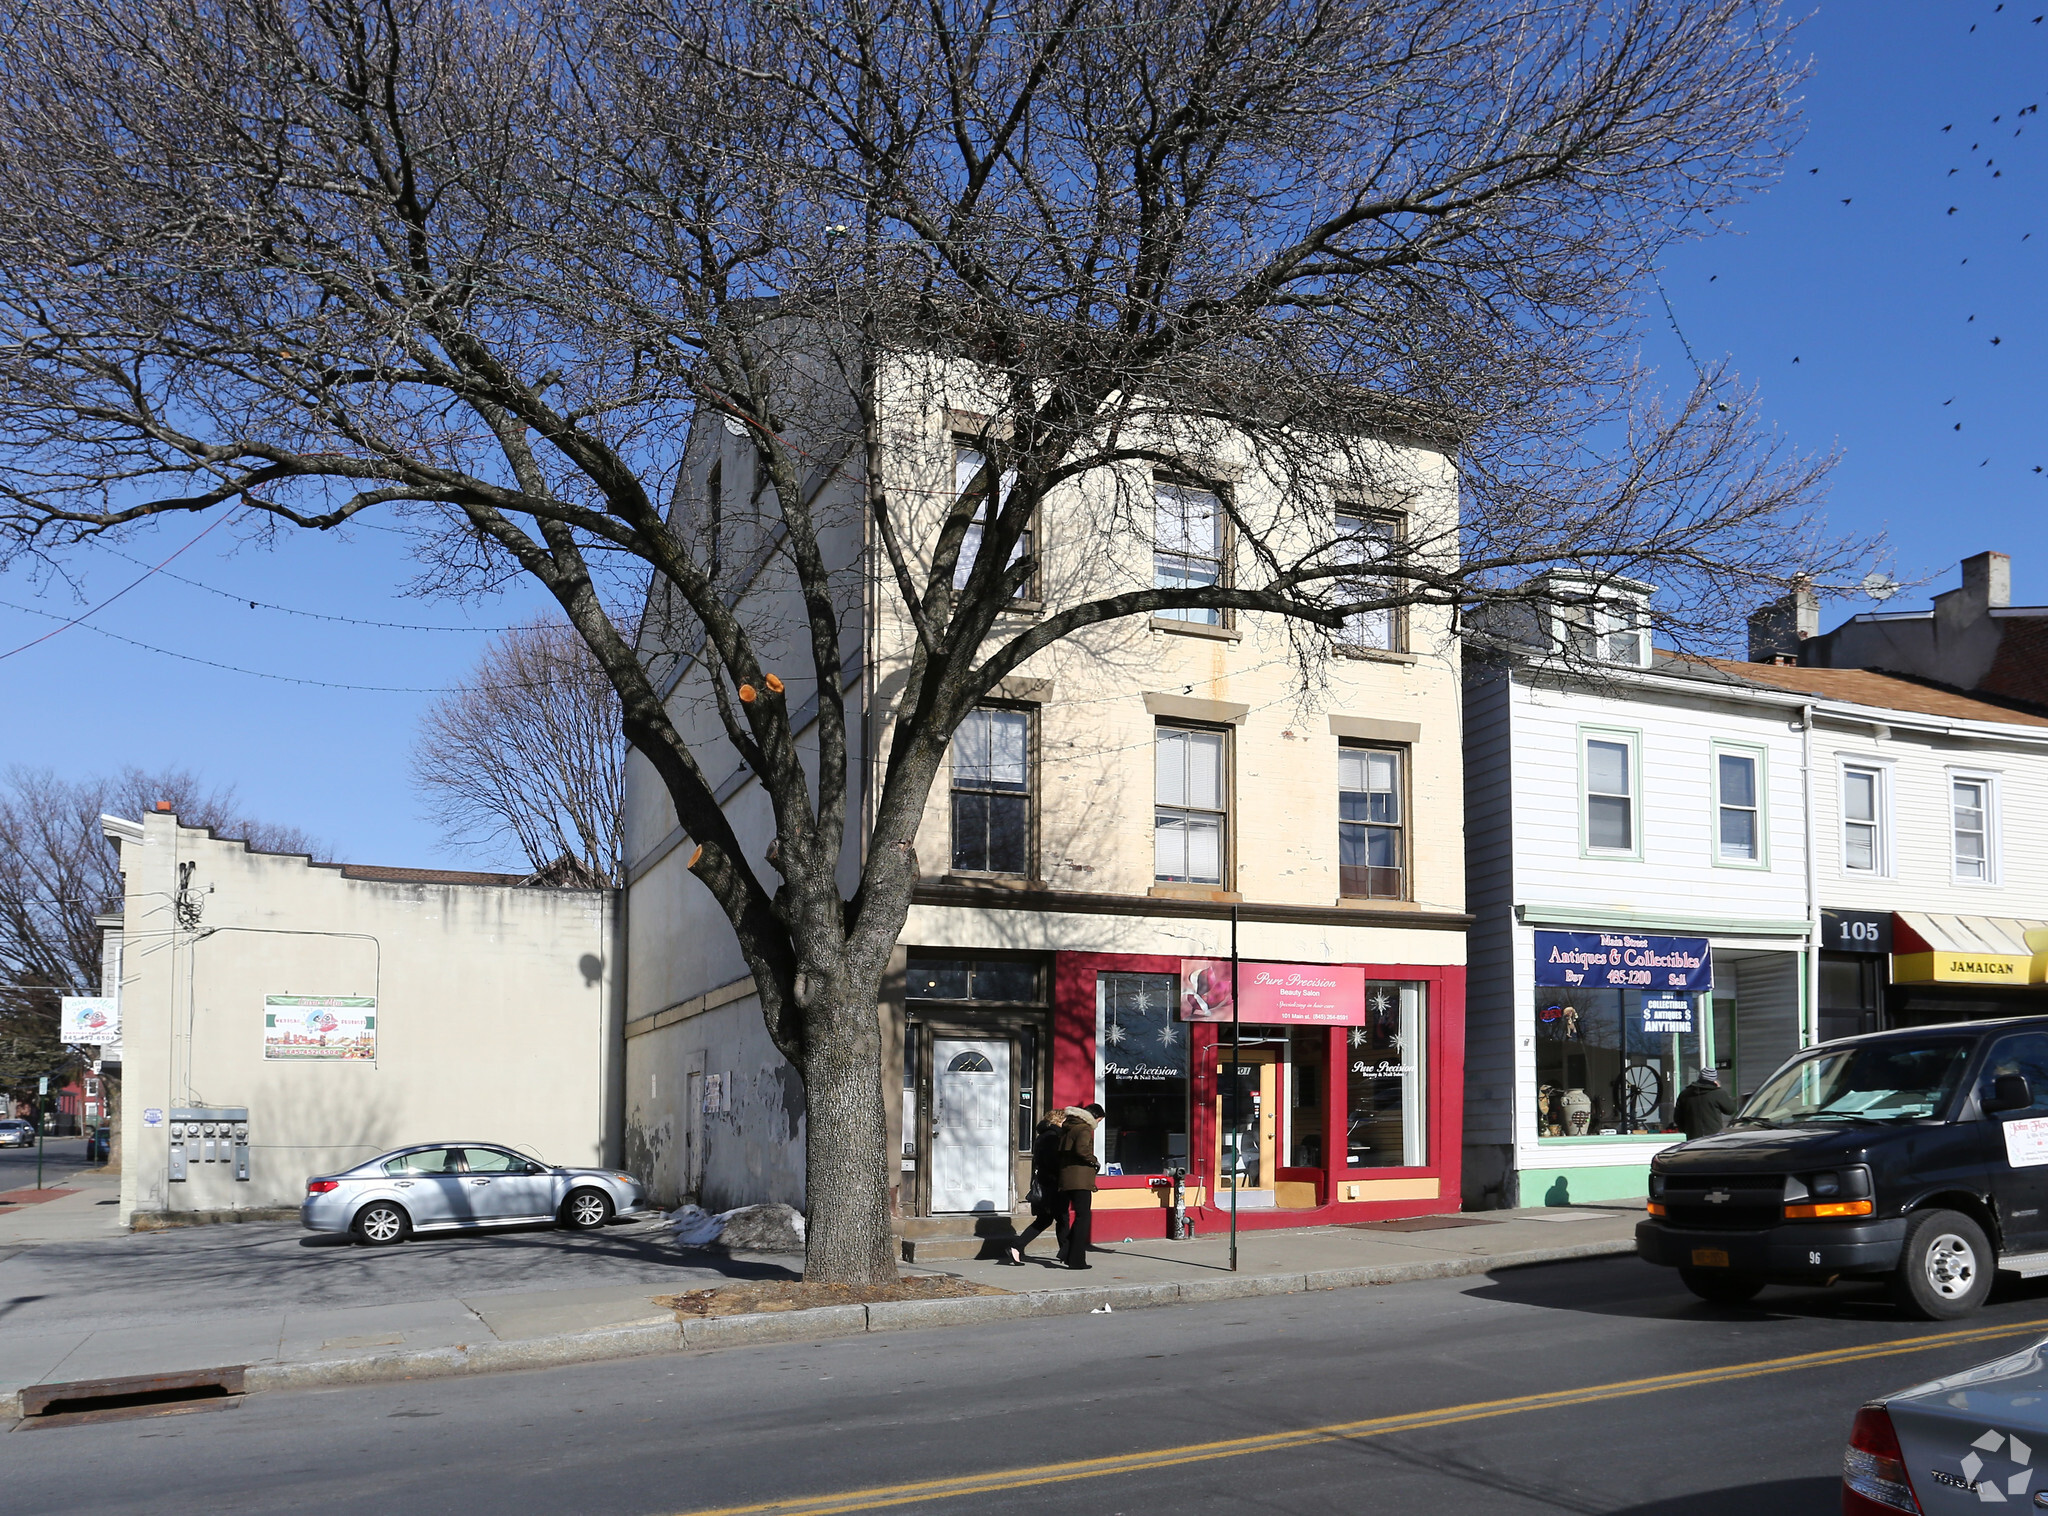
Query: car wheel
380, 1224
586, 1210
1945, 1267
1720, 1286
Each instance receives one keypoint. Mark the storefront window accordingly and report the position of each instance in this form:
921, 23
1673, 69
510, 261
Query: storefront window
1607, 1063
1308, 1051
999, 980
1384, 1079
1144, 1053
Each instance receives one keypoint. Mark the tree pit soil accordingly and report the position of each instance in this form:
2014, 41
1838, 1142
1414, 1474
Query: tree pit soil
798, 1295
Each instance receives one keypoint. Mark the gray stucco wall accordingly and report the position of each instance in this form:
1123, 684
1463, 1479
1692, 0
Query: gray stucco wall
498, 1015
714, 1112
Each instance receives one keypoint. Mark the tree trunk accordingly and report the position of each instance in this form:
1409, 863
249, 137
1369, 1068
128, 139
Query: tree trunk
846, 1169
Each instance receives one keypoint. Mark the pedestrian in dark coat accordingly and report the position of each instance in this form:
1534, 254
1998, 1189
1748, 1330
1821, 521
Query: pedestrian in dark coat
1078, 1163
1704, 1108
1045, 1187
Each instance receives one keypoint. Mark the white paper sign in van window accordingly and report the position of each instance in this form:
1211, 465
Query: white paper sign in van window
2026, 1142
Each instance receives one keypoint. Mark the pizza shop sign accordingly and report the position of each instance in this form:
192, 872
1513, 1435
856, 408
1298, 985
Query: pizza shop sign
1622, 961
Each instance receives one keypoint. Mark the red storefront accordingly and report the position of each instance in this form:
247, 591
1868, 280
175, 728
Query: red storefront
1340, 1101
1326, 1121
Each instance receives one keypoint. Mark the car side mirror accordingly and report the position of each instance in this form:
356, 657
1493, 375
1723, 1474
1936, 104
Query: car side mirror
2009, 1092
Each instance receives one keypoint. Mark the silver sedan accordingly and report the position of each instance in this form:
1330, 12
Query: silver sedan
449, 1186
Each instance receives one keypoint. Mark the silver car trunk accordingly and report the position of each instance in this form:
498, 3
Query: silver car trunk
1980, 1437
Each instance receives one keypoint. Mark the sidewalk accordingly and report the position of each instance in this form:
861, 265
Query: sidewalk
90, 1209
301, 1348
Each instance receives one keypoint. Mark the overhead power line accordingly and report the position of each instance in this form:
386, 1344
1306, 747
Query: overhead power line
289, 610
80, 617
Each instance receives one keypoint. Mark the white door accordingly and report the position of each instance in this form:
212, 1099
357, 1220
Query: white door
970, 1125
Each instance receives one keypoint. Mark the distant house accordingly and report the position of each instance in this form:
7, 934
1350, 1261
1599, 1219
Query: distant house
1973, 638
283, 1018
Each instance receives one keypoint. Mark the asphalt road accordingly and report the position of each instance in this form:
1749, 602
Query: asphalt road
189, 1272
703, 1431
62, 1157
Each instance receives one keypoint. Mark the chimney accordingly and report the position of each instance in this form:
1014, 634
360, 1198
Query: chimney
1987, 580
1776, 630
164, 806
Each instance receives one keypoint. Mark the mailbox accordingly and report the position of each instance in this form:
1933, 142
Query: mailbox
209, 1134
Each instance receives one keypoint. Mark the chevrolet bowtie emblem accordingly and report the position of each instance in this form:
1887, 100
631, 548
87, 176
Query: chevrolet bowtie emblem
1718, 1197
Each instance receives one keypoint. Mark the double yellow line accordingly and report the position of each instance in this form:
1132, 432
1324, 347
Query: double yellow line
878, 1496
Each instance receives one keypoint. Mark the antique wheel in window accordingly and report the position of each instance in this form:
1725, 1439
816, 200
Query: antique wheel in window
1638, 1092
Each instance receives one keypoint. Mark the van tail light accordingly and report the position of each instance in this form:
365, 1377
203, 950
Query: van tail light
321, 1186
1874, 1480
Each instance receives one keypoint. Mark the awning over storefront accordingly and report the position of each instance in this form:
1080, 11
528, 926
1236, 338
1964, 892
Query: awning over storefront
1935, 949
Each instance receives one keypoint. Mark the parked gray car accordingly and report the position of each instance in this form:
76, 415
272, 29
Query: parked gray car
1955, 1444
449, 1186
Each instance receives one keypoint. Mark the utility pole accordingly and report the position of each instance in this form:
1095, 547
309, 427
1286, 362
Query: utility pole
42, 1119
1236, 1093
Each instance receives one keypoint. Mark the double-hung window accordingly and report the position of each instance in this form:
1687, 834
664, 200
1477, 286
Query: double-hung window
1613, 631
1366, 537
1738, 807
1970, 827
1187, 547
1863, 839
1371, 824
971, 483
1190, 815
1610, 794
992, 792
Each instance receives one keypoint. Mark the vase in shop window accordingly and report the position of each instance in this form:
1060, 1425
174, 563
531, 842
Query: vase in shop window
1578, 1112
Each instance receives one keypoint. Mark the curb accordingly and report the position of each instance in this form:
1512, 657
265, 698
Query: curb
821, 1322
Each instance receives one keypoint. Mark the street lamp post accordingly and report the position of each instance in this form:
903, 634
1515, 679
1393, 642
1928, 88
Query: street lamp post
1236, 1093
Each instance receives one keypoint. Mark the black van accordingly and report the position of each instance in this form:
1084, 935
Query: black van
1917, 1157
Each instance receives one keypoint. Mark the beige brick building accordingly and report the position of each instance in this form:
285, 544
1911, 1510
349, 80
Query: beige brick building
1107, 813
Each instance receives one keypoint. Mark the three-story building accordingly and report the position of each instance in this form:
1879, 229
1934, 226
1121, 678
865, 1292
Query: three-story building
1121, 809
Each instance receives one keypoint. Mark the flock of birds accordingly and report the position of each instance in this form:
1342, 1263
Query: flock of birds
1994, 129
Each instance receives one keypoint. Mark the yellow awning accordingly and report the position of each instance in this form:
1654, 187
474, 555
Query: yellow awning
1935, 948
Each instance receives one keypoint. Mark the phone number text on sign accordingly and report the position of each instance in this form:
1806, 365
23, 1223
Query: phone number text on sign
1622, 961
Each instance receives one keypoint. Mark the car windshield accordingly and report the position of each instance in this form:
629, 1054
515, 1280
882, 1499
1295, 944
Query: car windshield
1871, 1081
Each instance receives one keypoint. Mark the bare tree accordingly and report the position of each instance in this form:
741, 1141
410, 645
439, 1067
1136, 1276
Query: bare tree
58, 871
529, 749
476, 267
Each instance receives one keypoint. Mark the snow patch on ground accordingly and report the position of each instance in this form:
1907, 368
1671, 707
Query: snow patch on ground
770, 1228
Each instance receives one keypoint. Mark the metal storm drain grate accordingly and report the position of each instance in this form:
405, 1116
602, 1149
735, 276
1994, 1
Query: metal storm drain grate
82, 1401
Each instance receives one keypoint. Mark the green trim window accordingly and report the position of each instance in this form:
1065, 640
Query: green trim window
1741, 813
1610, 790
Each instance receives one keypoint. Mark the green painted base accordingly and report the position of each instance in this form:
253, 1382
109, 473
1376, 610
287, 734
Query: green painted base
1584, 1186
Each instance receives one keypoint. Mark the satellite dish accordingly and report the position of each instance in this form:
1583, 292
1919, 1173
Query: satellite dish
1880, 587
737, 428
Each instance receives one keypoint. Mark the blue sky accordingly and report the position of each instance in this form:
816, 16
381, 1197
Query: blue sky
1853, 320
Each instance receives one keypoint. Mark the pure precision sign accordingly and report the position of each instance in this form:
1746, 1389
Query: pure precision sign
1622, 961
1284, 994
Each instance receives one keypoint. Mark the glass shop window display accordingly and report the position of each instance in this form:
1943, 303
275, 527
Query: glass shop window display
1608, 1063
1383, 1079
1144, 1052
